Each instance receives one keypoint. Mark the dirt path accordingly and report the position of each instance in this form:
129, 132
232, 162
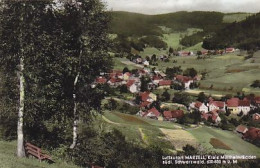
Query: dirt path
111, 122
143, 136
133, 64
179, 138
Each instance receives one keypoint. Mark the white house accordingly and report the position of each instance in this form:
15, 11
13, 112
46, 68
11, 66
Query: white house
244, 106
216, 105
199, 106
146, 63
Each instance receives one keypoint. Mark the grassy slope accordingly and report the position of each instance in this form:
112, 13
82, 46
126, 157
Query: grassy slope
217, 68
232, 17
130, 126
238, 146
224, 72
203, 134
9, 160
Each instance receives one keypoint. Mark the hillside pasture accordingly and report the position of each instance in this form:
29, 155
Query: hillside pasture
179, 138
138, 130
228, 73
235, 17
231, 139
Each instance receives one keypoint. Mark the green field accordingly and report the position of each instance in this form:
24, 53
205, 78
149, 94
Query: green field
9, 160
231, 139
228, 73
173, 40
120, 66
129, 125
232, 17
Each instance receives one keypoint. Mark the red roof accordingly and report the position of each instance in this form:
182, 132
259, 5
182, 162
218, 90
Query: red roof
252, 134
183, 79
130, 83
214, 117
177, 113
144, 104
156, 77
184, 53
173, 114
206, 116
154, 111
243, 103
241, 129
167, 114
115, 80
101, 80
233, 102
144, 95
230, 49
165, 83
219, 104
198, 104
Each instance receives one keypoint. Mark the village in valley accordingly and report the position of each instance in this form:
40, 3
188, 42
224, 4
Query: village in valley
143, 85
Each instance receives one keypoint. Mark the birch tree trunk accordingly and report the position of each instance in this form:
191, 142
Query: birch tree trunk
20, 137
76, 118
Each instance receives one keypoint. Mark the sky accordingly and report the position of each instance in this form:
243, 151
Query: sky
168, 6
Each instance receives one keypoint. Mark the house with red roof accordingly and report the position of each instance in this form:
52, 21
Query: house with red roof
184, 80
236, 106
253, 134
199, 106
204, 52
116, 74
173, 115
256, 117
101, 80
241, 129
145, 104
148, 96
153, 113
164, 84
229, 50
133, 86
213, 115
185, 53
115, 82
127, 75
156, 79
232, 105
219, 105
244, 106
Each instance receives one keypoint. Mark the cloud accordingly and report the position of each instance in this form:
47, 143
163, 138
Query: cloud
166, 6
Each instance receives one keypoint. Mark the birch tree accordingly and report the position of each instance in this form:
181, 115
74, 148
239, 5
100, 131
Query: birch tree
19, 28
86, 23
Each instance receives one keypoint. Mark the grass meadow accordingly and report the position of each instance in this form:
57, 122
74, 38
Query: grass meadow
211, 139
9, 160
227, 138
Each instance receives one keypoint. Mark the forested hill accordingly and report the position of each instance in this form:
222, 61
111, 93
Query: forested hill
126, 23
244, 34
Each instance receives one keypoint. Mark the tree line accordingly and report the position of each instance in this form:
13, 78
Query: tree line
50, 53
